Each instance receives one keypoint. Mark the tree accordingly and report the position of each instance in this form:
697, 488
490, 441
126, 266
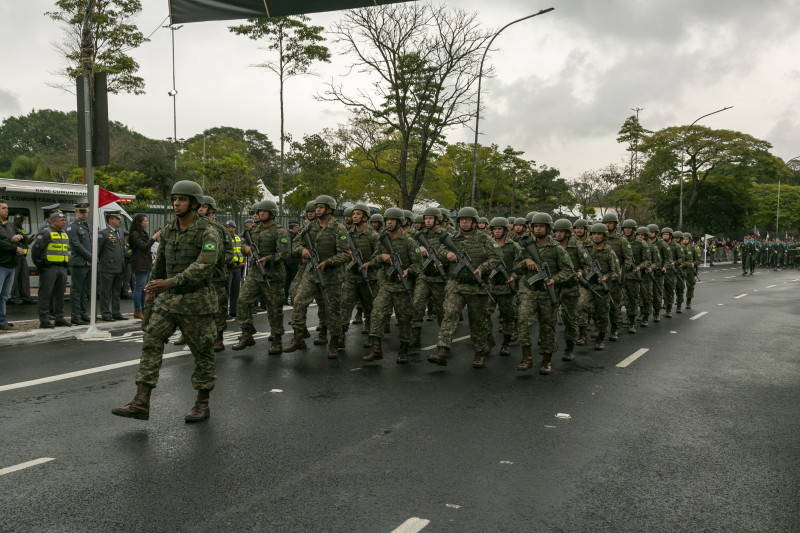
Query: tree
631, 133
48, 135
228, 172
764, 208
425, 62
114, 35
319, 165
297, 45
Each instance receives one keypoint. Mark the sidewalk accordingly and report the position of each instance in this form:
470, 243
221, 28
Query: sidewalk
30, 333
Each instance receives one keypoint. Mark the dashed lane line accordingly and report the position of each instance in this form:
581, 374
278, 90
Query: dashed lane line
698, 315
770, 286
740, 296
412, 525
633, 357
23, 466
432, 346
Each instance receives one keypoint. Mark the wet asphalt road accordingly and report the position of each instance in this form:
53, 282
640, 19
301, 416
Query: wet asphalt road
698, 434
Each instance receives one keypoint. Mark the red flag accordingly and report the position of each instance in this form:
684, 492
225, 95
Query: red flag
105, 197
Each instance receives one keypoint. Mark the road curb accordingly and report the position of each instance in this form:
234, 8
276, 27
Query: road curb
38, 336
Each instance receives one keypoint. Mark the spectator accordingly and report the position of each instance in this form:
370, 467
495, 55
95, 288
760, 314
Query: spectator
141, 245
21, 293
9, 250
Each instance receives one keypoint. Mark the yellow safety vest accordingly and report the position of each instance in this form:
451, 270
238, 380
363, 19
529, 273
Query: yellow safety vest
25, 240
238, 256
57, 249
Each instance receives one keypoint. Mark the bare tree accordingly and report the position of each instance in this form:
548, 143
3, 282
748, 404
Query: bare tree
424, 61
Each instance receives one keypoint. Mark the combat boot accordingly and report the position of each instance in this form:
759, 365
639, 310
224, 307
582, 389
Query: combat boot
333, 347
200, 411
545, 368
505, 348
613, 335
276, 346
631, 324
527, 359
656, 317
245, 340
415, 340
594, 333
139, 407
568, 355
298, 341
644, 321
688, 303
479, 361
181, 340
668, 314
306, 333
599, 344
357, 319
402, 354
376, 352
678, 308
322, 338
365, 331
440, 357
581, 336
219, 345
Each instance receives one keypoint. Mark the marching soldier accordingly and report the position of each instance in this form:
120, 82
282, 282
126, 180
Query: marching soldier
519, 229
430, 285
690, 262
679, 256
464, 289
356, 290
653, 259
392, 293
501, 289
220, 280
376, 221
568, 291
633, 293
445, 223
111, 252
622, 249
660, 271
50, 254
669, 274
483, 225
599, 300
80, 264
179, 294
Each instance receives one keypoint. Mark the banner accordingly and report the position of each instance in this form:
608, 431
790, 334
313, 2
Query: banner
182, 11
105, 198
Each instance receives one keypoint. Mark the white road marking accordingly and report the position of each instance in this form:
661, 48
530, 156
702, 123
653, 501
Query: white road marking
95, 370
412, 525
698, 315
741, 296
506, 463
720, 304
431, 347
728, 277
770, 286
633, 357
23, 466
452, 506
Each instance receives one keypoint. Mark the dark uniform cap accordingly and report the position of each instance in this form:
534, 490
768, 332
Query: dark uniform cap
19, 216
83, 204
110, 214
231, 223
294, 224
57, 214
51, 207
249, 221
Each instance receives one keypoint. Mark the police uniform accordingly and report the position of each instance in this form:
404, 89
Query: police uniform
21, 291
80, 267
235, 270
48, 211
50, 253
111, 252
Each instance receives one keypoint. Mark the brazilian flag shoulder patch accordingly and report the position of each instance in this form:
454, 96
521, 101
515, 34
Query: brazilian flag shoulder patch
342, 237
417, 250
210, 246
284, 240
495, 245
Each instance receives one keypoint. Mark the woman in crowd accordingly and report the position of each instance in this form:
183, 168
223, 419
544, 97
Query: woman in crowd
141, 260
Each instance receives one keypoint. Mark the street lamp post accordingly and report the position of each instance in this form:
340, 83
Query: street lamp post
174, 94
683, 151
478, 113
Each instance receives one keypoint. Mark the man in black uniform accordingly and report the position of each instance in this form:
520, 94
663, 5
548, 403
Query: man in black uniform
50, 253
80, 264
111, 252
21, 291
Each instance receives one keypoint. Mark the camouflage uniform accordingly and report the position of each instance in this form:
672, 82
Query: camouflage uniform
186, 260
355, 289
688, 271
584, 298
219, 281
598, 302
633, 287
622, 249
679, 256
506, 299
430, 287
653, 257
660, 287
569, 293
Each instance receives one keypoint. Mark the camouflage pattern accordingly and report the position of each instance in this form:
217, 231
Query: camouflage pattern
569, 293
633, 288
506, 300
219, 282
355, 290
665, 257
679, 256
430, 286
598, 303
622, 249
651, 255
688, 270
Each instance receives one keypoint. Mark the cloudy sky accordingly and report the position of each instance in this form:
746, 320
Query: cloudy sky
564, 82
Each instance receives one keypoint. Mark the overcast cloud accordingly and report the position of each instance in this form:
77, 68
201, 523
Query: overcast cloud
563, 85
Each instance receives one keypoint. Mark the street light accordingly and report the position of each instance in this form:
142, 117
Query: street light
688, 130
478, 113
174, 92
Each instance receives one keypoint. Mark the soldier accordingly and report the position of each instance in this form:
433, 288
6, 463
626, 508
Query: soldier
679, 256
691, 260
328, 239
445, 223
220, 280
80, 264
519, 230
599, 300
580, 235
653, 259
392, 292
376, 221
179, 294
669, 274
633, 293
430, 285
622, 249
660, 270
356, 290
483, 225
272, 242
111, 252
293, 263
348, 218
50, 253
235, 269
21, 291
534, 300
501, 287
463, 288
48, 211
568, 291
419, 223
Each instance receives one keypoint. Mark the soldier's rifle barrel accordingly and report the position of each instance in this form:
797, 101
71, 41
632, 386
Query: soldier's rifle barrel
397, 264
248, 239
544, 268
464, 262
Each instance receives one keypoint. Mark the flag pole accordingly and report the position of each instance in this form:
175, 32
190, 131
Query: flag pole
92, 332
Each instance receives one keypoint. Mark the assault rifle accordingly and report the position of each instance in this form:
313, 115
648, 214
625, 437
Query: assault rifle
501, 269
358, 262
655, 284
678, 272
595, 272
583, 283
248, 239
544, 271
397, 264
432, 257
313, 263
464, 262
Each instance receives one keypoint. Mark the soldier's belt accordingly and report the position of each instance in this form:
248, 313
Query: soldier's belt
188, 290
567, 284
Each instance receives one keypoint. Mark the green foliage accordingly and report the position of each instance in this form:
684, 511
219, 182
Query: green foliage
49, 135
114, 35
765, 207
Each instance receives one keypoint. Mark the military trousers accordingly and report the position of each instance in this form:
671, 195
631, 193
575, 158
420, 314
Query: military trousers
328, 302
569, 297
108, 293
356, 291
220, 287
690, 283
646, 288
321, 311
583, 307
79, 290
536, 305
507, 304
657, 291
615, 309
597, 303
669, 289
680, 288
633, 296
52, 286
199, 332
428, 291
458, 295
254, 288
389, 297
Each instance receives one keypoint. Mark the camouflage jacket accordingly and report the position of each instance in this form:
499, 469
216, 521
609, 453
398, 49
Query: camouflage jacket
367, 241
410, 257
607, 261
622, 249
552, 253
274, 246
484, 254
512, 252
331, 244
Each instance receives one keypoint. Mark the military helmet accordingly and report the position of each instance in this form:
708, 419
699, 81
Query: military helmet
530, 216
210, 202
644, 230
419, 219
311, 206
348, 212
444, 213
581, 223
468, 212
394, 212
325, 200
407, 213
483, 220
269, 206
434, 212
519, 221
188, 188
377, 217
562, 224
687, 235
500, 222
666, 229
653, 228
629, 223
677, 235
610, 217
364, 208
599, 227
542, 218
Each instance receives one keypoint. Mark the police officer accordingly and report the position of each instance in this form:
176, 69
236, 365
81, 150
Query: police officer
80, 264
21, 291
50, 253
111, 251
48, 211
179, 294
235, 268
